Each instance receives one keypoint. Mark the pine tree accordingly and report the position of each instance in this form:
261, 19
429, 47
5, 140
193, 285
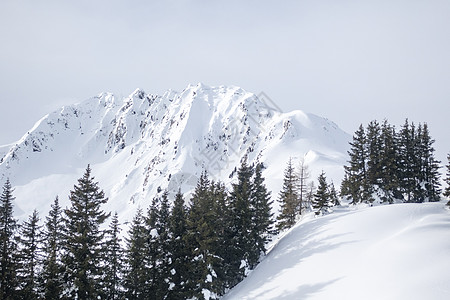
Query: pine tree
262, 217
136, 270
112, 279
374, 151
334, 199
321, 201
428, 180
30, 257
200, 236
8, 244
162, 244
242, 212
180, 255
52, 274
447, 180
407, 161
84, 238
288, 198
356, 184
389, 182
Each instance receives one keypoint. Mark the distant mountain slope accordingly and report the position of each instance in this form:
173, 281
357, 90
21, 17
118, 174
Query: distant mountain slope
399, 251
145, 143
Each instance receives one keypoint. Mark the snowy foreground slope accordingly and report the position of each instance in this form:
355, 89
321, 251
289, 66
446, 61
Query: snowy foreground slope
144, 143
399, 251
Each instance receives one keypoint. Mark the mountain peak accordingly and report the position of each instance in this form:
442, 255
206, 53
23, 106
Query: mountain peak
146, 143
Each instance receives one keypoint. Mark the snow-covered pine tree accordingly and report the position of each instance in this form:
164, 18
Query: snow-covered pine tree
263, 221
8, 244
428, 177
84, 238
180, 254
242, 212
356, 185
374, 152
52, 283
162, 244
389, 184
136, 270
334, 199
447, 180
30, 256
407, 160
114, 268
321, 201
200, 235
288, 198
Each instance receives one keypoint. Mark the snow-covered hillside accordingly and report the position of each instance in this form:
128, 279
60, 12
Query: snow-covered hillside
145, 143
399, 251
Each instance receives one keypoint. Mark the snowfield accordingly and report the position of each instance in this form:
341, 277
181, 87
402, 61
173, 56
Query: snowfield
399, 251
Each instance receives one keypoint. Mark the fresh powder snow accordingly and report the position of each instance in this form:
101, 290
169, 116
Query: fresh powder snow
399, 251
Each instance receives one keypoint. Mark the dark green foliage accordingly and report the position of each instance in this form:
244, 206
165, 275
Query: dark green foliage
84, 238
289, 198
392, 165
135, 278
201, 237
321, 201
334, 199
262, 217
30, 257
242, 211
8, 244
356, 181
112, 277
180, 255
52, 273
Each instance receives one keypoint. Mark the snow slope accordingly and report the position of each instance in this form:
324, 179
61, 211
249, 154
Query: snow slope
142, 144
399, 251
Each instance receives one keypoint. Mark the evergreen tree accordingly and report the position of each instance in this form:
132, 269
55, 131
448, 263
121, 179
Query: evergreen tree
30, 257
447, 180
135, 277
180, 255
321, 201
374, 152
356, 184
8, 244
112, 280
407, 163
52, 274
334, 199
428, 180
84, 238
242, 212
288, 198
200, 236
263, 216
162, 245
389, 182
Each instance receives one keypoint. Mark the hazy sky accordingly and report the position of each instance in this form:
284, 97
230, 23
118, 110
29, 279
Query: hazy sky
349, 61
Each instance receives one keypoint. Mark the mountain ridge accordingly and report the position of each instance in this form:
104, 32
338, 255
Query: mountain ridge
144, 143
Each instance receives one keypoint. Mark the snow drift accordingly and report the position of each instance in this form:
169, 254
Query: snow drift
399, 251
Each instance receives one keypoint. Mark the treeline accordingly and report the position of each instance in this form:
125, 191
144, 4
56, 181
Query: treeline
170, 252
392, 165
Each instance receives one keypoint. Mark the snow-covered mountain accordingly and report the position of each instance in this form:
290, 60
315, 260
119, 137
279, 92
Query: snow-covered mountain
393, 252
146, 143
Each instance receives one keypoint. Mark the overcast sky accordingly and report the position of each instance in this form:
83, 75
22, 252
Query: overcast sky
348, 61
